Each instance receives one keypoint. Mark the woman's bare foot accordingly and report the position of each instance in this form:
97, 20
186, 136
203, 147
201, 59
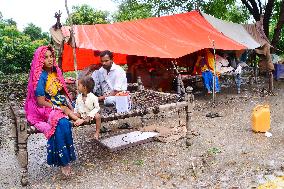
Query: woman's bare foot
96, 136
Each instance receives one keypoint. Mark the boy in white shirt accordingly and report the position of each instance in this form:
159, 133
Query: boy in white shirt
87, 104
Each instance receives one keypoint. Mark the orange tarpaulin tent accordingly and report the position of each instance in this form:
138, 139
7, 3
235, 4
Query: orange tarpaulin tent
165, 37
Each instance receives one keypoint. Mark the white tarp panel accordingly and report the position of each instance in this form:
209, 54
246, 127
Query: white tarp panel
232, 30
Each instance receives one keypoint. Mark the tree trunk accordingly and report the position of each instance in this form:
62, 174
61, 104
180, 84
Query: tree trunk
279, 26
252, 9
255, 8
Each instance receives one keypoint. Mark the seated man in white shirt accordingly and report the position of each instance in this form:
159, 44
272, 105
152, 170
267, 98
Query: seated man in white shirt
110, 79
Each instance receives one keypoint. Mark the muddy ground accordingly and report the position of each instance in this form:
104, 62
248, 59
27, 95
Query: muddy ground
225, 152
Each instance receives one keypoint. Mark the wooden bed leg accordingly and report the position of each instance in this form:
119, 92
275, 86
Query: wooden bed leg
23, 160
143, 120
189, 109
15, 138
141, 87
14, 134
22, 145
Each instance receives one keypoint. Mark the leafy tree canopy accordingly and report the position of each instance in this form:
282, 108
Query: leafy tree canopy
226, 10
87, 15
273, 23
132, 10
35, 32
10, 21
17, 48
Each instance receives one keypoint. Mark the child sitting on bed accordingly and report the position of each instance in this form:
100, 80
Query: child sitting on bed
87, 104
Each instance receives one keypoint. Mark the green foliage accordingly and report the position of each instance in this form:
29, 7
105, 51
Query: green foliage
125, 161
70, 74
17, 49
10, 21
273, 23
45, 35
86, 15
155, 8
227, 10
35, 32
132, 10
139, 162
214, 151
168, 7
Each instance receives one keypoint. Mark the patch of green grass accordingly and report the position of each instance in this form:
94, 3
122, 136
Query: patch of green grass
125, 161
139, 162
214, 151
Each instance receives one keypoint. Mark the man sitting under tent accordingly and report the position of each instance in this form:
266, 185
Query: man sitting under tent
110, 79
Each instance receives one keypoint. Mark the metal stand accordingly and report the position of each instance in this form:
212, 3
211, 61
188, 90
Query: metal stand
270, 82
214, 73
189, 109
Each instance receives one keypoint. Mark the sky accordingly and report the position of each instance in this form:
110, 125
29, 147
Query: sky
41, 12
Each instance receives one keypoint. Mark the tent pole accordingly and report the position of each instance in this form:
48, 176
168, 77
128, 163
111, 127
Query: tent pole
74, 58
214, 72
72, 41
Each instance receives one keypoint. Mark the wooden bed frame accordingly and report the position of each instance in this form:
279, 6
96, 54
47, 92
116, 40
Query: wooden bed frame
21, 130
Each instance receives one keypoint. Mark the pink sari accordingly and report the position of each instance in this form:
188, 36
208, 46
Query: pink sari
44, 118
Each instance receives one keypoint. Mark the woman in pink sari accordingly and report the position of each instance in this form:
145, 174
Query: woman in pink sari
47, 92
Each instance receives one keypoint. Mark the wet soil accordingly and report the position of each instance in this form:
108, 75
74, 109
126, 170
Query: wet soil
225, 152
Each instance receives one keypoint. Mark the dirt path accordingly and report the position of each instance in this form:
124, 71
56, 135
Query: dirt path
225, 153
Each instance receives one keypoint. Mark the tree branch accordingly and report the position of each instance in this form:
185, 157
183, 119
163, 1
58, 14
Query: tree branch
254, 5
267, 15
254, 11
279, 26
247, 5
260, 7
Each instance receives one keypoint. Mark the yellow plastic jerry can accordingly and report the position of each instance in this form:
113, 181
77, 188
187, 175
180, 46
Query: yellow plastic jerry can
261, 118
